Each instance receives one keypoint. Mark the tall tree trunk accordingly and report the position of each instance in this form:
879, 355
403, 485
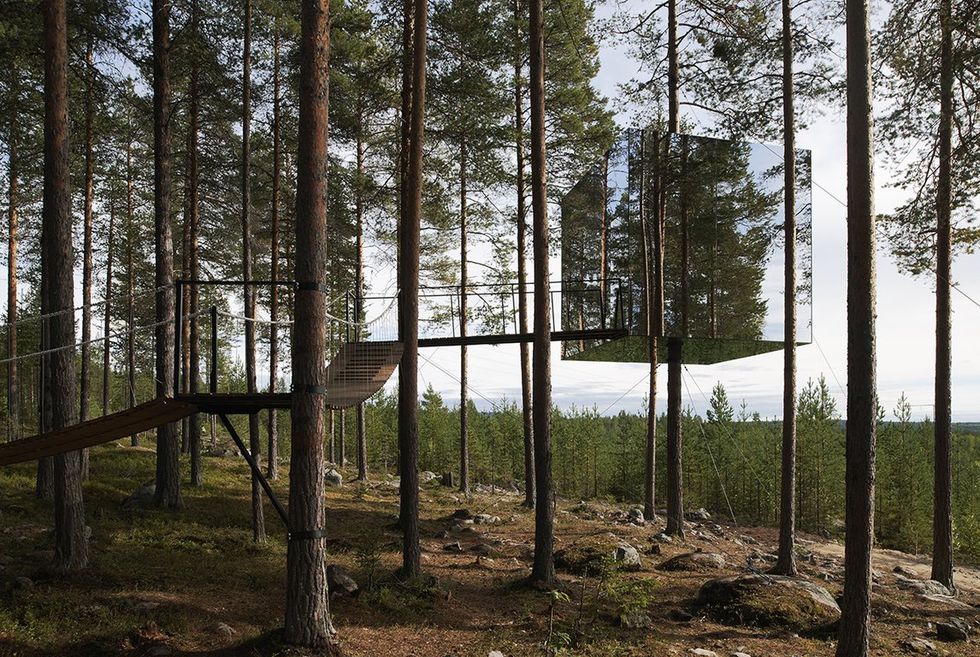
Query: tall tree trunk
272, 462
254, 437
522, 311
307, 603
85, 388
362, 455
13, 201
130, 284
786, 560
57, 259
185, 325
942, 509
341, 438
464, 420
194, 423
855, 626
167, 493
543, 570
416, 17
654, 327
107, 309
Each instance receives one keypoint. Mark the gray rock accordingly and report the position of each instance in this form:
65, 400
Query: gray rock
636, 515
923, 586
769, 601
333, 478
485, 519
340, 583
905, 571
427, 476
700, 515
482, 549
694, 562
636, 620
741, 654
627, 556
495, 653
453, 547
702, 652
953, 629
662, 538
223, 630
918, 646
141, 498
945, 600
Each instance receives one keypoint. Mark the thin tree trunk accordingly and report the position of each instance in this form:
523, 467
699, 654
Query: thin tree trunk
185, 325
57, 259
464, 420
13, 201
167, 493
786, 560
942, 514
416, 15
522, 310
85, 388
254, 438
854, 630
654, 318
272, 463
194, 423
130, 285
107, 308
543, 570
341, 438
307, 603
361, 428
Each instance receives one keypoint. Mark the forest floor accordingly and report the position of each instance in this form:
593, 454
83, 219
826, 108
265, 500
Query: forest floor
194, 583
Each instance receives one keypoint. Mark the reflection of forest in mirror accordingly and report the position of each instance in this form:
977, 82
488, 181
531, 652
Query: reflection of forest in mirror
722, 245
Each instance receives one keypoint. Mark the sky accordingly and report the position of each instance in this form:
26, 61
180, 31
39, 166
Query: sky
905, 326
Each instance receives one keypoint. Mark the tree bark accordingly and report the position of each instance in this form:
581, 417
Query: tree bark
13, 201
942, 515
85, 387
194, 423
361, 429
130, 284
675, 459
167, 493
786, 559
307, 603
70, 545
254, 437
272, 462
410, 236
341, 438
654, 318
855, 626
543, 570
522, 310
107, 309
464, 420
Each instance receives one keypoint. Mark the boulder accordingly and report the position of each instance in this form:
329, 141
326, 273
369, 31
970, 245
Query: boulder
770, 601
953, 629
918, 646
223, 630
905, 572
333, 478
141, 498
702, 652
482, 549
485, 519
340, 583
636, 620
635, 515
627, 557
694, 562
427, 476
701, 515
662, 538
454, 547
922, 586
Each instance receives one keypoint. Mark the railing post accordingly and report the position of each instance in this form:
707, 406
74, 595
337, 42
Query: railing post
213, 383
178, 333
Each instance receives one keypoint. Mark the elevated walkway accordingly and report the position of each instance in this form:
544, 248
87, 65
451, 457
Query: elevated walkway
359, 370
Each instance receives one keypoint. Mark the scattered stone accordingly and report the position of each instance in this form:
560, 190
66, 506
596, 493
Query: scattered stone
769, 601
333, 478
635, 515
462, 514
662, 538
141, 498
702, 652
224, 630
694, 562
918, 646
218, 451
482, 549
461, 528
447, 479
701, 515
636, 620
340, 583
485, 519
627, 557
454, 547
741, 654
427, 476
954, 629
23, 583
495, 653
923, 586
905, 572
944, 600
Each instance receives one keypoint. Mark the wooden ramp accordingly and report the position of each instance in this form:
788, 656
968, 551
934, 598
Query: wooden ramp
143, 417
359, 370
